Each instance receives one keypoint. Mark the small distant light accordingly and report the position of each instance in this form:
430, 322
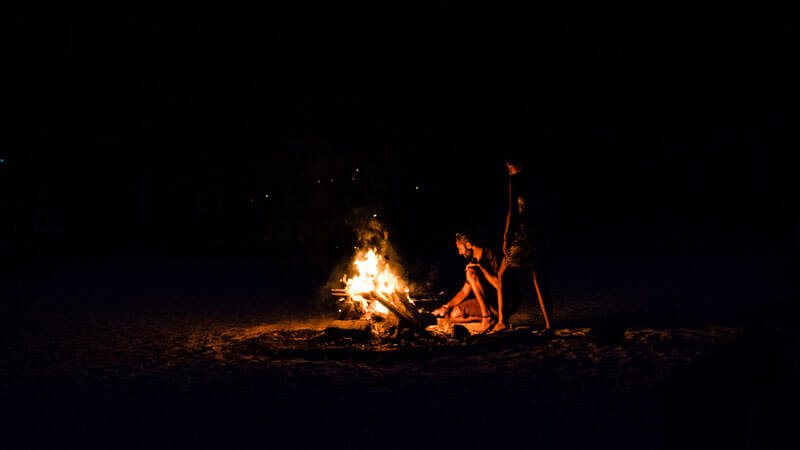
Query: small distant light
417, 188
340, 310
266, 195
2, 160
356, 169
331, 180
374, 215
354, 178
319, 181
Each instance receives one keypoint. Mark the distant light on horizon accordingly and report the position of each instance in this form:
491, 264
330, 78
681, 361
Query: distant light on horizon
266, 195
2, 160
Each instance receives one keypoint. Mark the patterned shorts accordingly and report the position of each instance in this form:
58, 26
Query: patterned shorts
519, 253
518, 256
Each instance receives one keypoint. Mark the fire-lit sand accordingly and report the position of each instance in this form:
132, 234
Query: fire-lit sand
216, 374
212, 375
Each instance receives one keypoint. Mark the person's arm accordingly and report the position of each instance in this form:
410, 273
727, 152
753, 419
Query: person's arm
461, 296
455, 301
491, 278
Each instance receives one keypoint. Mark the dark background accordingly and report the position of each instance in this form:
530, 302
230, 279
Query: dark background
139, 145
158, 133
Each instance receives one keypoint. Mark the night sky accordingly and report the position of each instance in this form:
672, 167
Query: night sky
162, 131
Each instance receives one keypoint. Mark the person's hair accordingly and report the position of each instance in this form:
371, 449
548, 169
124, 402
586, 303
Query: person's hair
514, 158
462, 238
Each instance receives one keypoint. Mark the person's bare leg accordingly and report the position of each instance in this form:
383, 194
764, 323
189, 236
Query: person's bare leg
541, 301
502, 320
477, 289
466, 311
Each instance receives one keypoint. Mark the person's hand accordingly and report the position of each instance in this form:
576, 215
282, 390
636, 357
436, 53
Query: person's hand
475, 266
441, 312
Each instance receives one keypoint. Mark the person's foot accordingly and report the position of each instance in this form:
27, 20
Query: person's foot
501, 326
486, 325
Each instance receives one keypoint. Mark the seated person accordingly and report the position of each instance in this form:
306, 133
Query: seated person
481, 281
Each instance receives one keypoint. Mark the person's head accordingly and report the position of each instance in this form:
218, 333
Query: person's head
464, 245
513, 163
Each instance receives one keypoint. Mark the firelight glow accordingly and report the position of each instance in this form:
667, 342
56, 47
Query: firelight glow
374, 277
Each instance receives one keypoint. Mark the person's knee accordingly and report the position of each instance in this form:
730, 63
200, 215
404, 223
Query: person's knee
472, 275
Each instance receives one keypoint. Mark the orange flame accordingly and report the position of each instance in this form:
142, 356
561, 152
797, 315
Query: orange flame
374, 278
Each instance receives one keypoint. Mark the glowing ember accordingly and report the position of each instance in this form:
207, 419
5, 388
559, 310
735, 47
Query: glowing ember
374, 278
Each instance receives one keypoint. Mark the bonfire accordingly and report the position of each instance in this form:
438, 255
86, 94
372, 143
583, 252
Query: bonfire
378, 292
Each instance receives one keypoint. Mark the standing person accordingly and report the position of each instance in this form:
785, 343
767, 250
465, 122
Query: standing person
525, 245
481, 282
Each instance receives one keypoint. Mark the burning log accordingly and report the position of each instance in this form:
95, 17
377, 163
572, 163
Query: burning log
425, 297
411, 310
397, 303
400, 307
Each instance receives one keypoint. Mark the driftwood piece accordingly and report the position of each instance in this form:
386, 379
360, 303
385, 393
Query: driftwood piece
335, 333
352, 325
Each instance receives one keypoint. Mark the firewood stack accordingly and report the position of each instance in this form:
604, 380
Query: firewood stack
399, 305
